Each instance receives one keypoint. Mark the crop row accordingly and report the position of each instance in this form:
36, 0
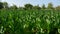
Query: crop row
29, 21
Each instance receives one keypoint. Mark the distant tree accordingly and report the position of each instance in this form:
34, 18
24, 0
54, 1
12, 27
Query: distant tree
1, 5
43, 6
21, 8
36, 7
5, 4
57, 8
13, 7
50, 6
28, 6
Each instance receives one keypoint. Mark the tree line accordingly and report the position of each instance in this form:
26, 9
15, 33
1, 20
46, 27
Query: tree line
4, 5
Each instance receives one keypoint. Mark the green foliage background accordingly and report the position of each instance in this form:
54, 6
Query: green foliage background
29, 21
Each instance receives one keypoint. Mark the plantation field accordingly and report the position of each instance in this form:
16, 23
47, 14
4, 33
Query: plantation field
29, 21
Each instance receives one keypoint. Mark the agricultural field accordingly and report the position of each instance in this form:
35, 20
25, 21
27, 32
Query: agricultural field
29, 21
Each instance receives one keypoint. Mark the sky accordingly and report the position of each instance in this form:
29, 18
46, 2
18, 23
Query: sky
33, 2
